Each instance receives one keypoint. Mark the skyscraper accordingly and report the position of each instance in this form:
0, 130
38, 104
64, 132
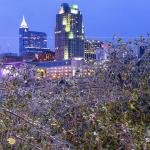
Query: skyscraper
69, 33
31, 42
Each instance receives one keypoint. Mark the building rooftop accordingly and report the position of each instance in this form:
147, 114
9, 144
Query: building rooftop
51, 63
65, 8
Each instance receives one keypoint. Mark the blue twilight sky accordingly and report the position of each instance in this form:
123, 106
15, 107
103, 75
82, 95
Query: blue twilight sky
102, 18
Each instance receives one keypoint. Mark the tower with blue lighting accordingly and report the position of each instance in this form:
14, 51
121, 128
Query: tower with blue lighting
31, 42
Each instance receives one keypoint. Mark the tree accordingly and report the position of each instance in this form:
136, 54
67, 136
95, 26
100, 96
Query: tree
108, 110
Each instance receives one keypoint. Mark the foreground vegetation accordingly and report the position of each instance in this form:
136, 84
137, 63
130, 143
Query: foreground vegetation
109, 110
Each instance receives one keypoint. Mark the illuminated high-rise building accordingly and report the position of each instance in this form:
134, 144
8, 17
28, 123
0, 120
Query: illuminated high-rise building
69, 33
31, 43
90, 49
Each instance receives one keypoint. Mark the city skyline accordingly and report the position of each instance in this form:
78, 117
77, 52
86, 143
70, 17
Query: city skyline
125, 18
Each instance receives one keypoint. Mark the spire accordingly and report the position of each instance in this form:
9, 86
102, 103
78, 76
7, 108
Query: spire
23, 23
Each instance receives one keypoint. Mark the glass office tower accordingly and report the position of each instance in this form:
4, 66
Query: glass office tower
69, 33
31, 42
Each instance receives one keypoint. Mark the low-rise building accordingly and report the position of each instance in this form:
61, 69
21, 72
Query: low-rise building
60, 69
44, 56
10, 57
